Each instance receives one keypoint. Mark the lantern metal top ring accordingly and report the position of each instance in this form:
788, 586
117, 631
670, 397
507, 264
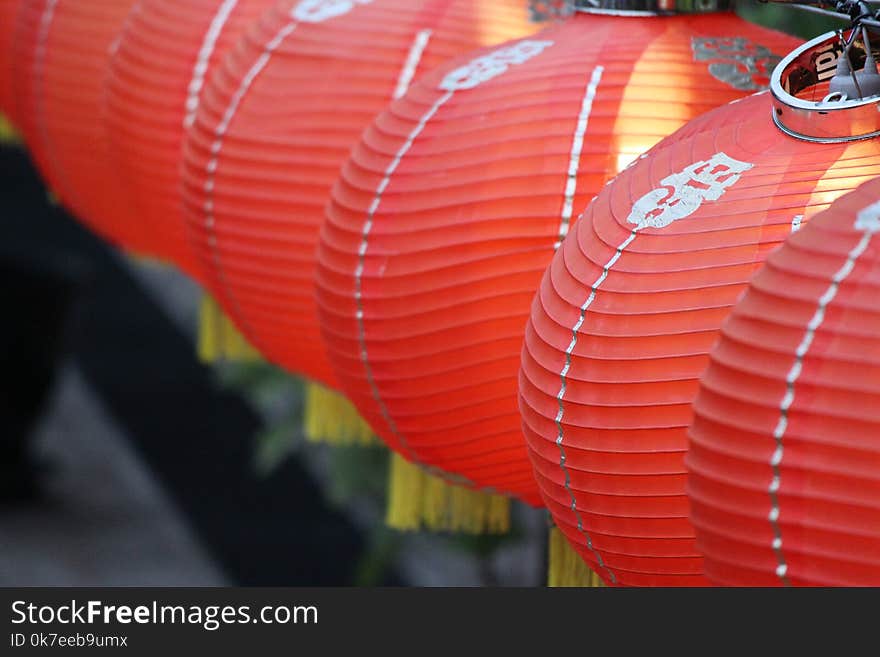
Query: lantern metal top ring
804, 107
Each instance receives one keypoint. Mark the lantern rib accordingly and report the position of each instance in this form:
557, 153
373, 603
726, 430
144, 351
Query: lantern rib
560, 396
359, 270
577, 147
217, 145
788, 399
413, 59
200, 69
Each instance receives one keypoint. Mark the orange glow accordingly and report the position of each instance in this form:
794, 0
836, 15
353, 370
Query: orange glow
638, 128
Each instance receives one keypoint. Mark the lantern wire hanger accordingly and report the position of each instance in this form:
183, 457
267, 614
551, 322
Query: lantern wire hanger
637, 7
828, 89
858, 11
848, 83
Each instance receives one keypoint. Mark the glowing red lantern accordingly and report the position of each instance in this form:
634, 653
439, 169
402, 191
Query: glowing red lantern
156, 78
625, 317
274, 127
8, 14
783, 461
452, 204
67, 44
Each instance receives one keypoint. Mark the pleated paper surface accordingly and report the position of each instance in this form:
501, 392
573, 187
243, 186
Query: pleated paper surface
626, 315
275, 126
156, 79
63, 48
453, 202
784, 459
8, 15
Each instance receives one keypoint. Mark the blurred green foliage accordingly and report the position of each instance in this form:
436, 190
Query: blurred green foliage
278, 398
786, 18
352, 474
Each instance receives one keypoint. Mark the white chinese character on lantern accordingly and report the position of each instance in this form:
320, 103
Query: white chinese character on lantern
868, 219
735, 61
316, 11
489, 66
681, 194
548, 10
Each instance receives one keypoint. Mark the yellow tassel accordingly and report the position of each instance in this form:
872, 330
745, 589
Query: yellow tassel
330, 418
218, 337
8, 133
417, 499
565, 567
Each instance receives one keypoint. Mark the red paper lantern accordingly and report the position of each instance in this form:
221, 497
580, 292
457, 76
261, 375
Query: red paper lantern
25, 71
625, 317
63, 49
156, 78
276, 124
452, 204
784, 463
8, 13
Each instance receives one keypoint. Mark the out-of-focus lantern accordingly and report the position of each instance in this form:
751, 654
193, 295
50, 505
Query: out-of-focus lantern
453, 202
24, 72
628, 311
157, 74
8, 14
273, 128
784, 458
62, 51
